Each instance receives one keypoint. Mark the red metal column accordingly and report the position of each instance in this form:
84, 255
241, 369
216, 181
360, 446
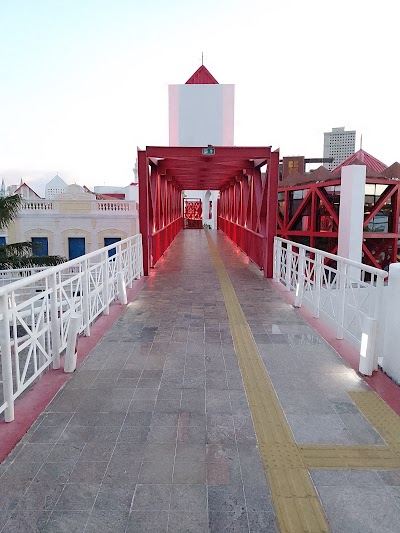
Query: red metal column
273, 172
143, 175
395, 228
313, 219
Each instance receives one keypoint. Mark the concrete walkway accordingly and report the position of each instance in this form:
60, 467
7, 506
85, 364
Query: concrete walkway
154, 433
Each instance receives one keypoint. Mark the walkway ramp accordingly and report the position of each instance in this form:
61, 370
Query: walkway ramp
209, 406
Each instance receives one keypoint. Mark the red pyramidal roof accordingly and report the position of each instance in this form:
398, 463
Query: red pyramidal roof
393, 172
202, 77
364, 158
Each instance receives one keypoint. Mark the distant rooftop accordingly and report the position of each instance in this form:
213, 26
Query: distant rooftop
362, 158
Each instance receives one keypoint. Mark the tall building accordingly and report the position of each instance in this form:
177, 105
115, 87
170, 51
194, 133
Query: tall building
339, 144
55, 186
201, 111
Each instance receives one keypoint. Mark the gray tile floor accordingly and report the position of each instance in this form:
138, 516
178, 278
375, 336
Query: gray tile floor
153, 433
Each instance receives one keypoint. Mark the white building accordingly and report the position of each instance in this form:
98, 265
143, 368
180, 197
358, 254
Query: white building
339, 144
201, 113
55, 186
26, 192
73, 223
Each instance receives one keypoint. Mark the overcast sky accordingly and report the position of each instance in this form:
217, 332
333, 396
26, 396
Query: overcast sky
84, 82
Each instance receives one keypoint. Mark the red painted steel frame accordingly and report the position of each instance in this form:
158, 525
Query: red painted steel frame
246, 211
316, 196
160, 211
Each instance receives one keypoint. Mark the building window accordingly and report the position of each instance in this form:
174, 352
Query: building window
76, 247
111, 240
40, 246
2, 241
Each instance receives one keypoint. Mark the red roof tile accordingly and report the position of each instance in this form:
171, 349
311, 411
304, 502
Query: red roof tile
202, 77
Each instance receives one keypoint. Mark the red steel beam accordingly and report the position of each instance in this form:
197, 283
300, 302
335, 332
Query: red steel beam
143, 176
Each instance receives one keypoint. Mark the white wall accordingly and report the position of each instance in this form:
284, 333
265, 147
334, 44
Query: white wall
200, 115
351, 213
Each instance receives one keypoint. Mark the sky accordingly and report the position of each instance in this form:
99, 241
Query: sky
83, 83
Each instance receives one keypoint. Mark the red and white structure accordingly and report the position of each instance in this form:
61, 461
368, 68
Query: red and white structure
201, 112
310, 207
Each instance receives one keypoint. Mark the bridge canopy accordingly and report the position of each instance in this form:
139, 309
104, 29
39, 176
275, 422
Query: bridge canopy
248, 200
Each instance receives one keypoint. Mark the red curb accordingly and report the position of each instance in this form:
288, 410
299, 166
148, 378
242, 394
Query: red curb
379, 381
37, 398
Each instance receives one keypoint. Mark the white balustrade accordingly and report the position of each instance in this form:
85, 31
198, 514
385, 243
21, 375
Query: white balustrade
36, 311
345, 294
99, 205
110, 205
37, 205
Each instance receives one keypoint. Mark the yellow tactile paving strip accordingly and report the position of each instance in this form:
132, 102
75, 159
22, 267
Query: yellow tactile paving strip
381, 416
296, 502
298, 508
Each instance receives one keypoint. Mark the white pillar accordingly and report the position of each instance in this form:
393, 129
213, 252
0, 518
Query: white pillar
351, 214
391, 345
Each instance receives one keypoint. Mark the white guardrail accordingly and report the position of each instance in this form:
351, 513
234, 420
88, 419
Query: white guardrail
36, 311
346, 295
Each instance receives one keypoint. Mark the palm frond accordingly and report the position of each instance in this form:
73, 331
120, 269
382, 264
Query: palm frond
15, 262
17, 249
9, 207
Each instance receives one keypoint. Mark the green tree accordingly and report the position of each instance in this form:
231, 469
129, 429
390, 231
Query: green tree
20, 254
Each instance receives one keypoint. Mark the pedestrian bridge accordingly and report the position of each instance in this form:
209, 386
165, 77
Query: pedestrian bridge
206, 404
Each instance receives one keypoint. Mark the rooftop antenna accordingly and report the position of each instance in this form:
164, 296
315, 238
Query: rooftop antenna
201, 58
361, 142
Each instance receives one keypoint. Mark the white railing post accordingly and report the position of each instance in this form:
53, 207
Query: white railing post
377, 314
129, 252
122, 297
71, 351
288, 272
140, 254
391, 358
106, 282
277, 257
121, 287
341, 299
6, 362
300, 278
368, 342
318, 265
55, 322
86, 297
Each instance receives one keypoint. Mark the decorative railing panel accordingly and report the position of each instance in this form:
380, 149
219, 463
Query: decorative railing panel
346, 294
35, 312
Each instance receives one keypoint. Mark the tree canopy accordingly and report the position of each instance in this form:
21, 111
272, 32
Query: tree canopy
20, 254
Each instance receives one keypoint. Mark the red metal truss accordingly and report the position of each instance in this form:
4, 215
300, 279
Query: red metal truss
247, 212
160, 211
246, 200
379, 249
